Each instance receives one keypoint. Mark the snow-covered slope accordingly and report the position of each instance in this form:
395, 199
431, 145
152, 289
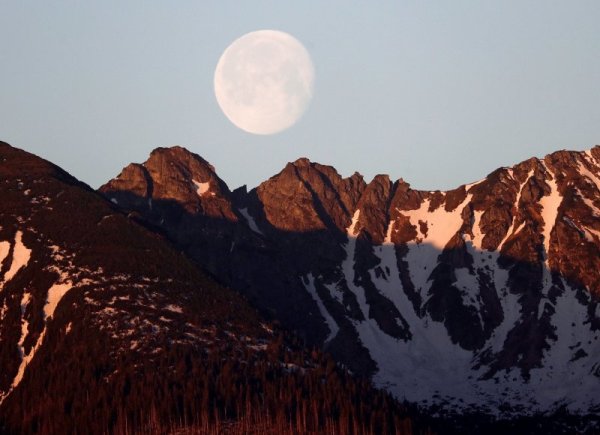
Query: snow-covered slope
506, 284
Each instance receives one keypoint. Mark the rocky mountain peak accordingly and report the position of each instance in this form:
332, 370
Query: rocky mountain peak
322, 198
177, 176
301, 162
14, 162
373, 205
188, 163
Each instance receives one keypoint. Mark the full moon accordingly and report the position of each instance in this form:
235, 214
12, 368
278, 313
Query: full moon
264, 81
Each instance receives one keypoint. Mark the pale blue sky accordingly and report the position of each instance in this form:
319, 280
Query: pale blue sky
439, 93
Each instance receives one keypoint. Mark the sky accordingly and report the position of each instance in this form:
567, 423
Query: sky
439, 93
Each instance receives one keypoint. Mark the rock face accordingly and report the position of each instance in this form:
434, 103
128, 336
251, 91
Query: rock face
485, 294
105, 328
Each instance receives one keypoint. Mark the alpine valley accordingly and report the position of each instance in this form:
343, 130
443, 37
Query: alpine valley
165, 302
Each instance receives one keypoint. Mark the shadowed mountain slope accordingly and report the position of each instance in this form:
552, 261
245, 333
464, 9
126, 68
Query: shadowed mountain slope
106, 328
483, 297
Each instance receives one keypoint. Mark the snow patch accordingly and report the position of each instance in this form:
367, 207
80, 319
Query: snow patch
590, 233
4, 250
475, 183
21, 256
593, 178
250, 220
590, 204
335, 292
348, 265
511, 229
24, 322
477, 237
203, 189
174, 308
309, 284
590, 176
441, 226
550, 204
26, 359
55, 294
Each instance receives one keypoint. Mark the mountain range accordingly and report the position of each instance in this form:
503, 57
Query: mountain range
105, 327
165, 301
484, 297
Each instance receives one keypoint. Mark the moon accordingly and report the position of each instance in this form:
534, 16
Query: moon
264, 81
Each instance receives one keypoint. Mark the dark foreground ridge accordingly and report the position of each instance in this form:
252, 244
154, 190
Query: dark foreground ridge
106, 328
